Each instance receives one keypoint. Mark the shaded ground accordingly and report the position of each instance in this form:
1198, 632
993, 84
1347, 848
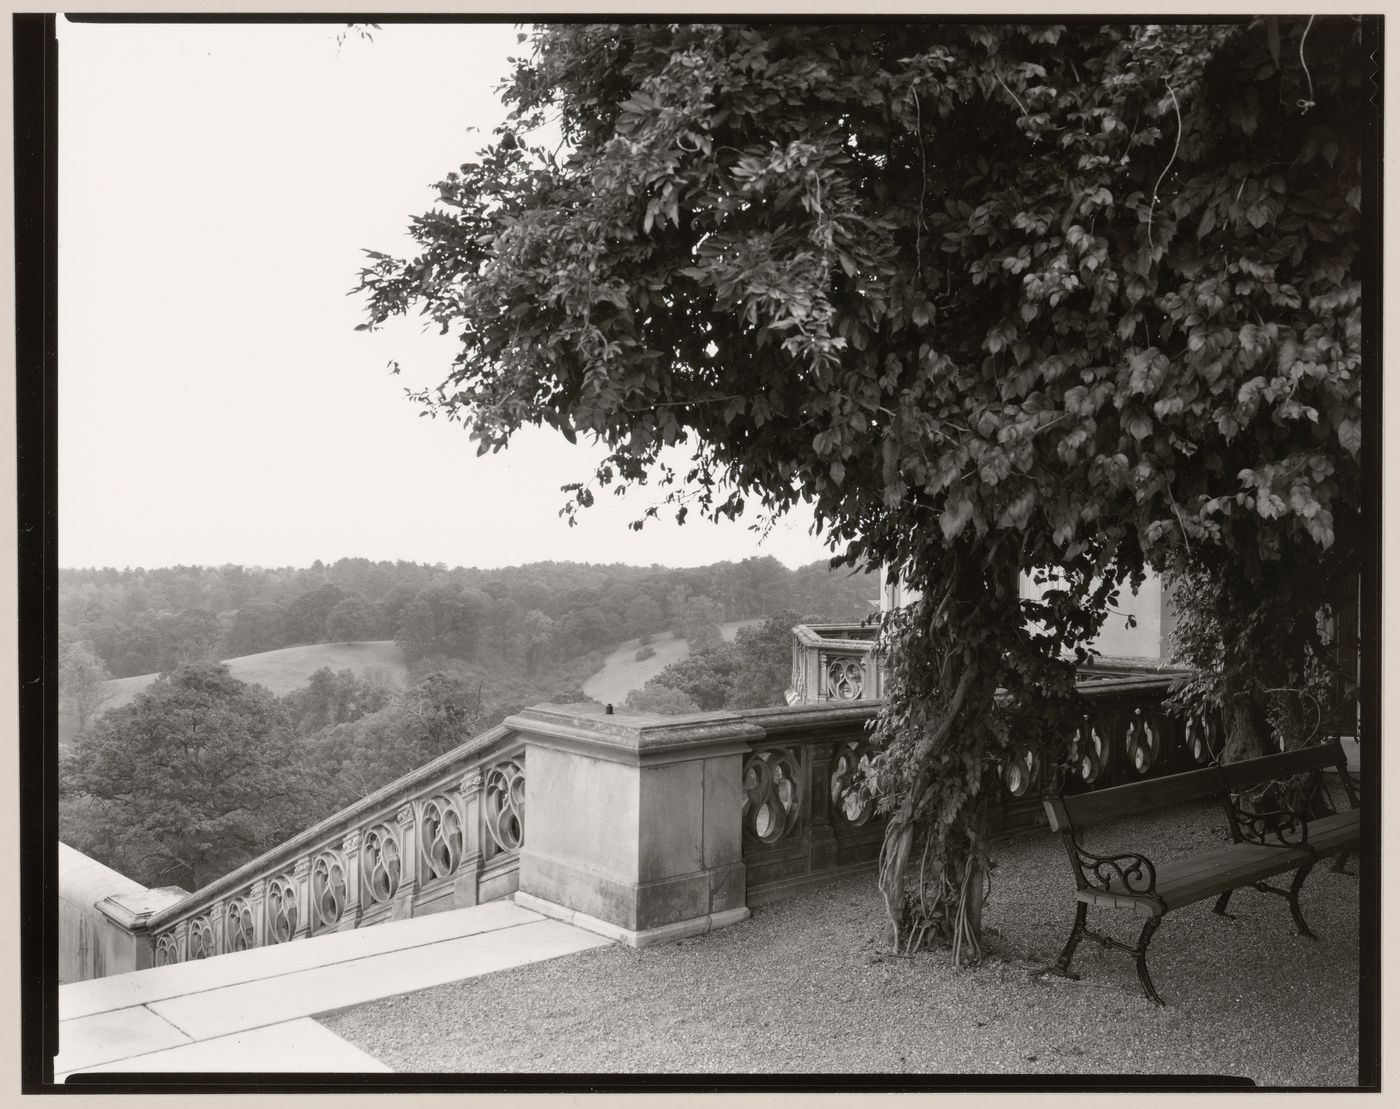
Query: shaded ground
802, 987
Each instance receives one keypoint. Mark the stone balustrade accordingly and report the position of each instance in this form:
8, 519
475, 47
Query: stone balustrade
643, 827
835, 663
802, 822
1124, 735
445, 836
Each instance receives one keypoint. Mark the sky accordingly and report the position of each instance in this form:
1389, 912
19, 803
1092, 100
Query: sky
217, 185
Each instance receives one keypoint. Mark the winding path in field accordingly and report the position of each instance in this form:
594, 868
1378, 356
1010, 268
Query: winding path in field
622, 673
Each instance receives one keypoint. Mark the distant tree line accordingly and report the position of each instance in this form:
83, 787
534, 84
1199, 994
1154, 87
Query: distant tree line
138, 621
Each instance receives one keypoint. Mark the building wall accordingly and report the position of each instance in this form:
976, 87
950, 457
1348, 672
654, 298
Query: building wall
1150, 606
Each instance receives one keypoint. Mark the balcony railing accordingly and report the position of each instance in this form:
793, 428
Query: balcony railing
445, 836
835, 663
620, 803
803, 822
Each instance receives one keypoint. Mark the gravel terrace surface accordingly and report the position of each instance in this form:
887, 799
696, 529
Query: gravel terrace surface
803, 987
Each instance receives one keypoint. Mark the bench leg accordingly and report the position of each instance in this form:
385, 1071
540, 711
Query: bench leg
1339, 864
1299, 876
1221, 902
1061, 966
1141, 953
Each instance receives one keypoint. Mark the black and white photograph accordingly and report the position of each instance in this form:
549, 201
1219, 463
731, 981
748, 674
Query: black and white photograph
769, 552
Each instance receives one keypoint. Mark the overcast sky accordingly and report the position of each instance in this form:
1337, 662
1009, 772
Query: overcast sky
217, 184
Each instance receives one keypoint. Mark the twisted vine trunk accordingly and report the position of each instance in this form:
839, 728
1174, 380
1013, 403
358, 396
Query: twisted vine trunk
933, 862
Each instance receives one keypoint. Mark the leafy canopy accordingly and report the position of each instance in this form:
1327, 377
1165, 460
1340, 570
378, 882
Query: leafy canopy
1093, 287
988, 298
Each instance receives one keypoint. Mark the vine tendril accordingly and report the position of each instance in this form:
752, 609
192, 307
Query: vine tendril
1152, 212
1304, 105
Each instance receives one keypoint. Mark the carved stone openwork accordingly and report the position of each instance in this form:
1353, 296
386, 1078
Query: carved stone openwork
851, 804
1087, 750
1202, 738
845, 678
380, 863
328, 890
167, 953
1143, 741
238, 925
441, 838
503, 812
201, 938
1019, 771
772, 794
281, 909
797, 687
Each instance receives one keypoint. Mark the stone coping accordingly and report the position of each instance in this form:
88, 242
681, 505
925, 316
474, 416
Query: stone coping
636, 738
132, 910
820, 718
650, 738
829, 636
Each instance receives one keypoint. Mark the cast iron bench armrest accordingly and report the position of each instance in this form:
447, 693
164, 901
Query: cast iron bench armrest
1126, 872
1287, 827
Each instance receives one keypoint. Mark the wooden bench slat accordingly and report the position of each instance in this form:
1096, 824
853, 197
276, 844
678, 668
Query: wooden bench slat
1231, 857
1253, 772
1331, 835
1245, 869
1084, 809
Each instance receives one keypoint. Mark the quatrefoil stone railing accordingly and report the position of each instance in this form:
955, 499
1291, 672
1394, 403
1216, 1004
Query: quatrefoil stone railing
422, 843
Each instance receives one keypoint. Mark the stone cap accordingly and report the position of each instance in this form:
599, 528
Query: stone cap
636, 738
854, 637
132, 910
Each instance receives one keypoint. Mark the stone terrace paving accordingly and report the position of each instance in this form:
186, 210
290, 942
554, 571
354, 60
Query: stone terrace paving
801, 987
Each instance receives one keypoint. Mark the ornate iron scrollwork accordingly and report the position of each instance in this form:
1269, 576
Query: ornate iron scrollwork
380, 863
167, 953
503, 810
328, 890
845, 679
772, 795
200, 943
238, 925
1265, 812
1126, 873
440, 831
851, 804
281, 909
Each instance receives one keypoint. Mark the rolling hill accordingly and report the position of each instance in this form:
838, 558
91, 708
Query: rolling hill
290, 668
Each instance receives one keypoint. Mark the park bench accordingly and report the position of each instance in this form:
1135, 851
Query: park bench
1280, 819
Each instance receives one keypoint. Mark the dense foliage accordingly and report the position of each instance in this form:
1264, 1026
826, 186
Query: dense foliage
991, 299
195, 776
201, 771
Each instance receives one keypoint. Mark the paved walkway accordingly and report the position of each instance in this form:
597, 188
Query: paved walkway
251, 1010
